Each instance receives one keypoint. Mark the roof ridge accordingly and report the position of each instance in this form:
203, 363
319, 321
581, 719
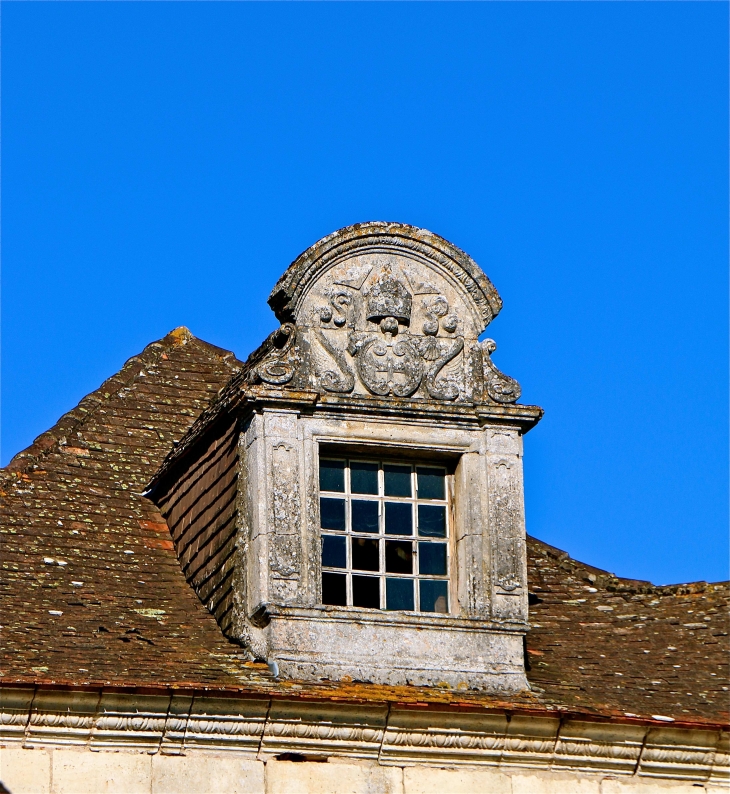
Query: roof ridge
611, 581
72, 420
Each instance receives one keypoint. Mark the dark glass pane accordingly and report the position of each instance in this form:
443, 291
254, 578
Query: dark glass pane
332, 512
398, 556
431, 483
365, 554
334, 552
366, 591
399, 594
398, 518
364, 516
332, 475
432, 521
432, 559
364, 477
334, 589
434, 596
397, 480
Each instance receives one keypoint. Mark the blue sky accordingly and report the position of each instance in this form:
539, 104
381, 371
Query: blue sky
163, 163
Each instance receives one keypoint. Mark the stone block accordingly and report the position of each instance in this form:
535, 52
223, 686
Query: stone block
25, 771
127, 719
15, 705
530, 741
222, 723
84, 772
443, 737
289, 777
324, 729
598, 746
424, 780
677, 752
639, 786
206, 773
551, 783
62, 718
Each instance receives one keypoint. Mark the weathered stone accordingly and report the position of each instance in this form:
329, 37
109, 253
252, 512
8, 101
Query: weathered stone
378, 352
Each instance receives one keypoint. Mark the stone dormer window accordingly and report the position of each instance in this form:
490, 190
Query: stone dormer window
385, 534
351, 507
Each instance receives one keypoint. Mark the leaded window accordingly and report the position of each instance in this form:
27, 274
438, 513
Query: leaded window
385, 534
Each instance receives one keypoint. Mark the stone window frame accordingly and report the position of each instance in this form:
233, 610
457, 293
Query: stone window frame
414, 463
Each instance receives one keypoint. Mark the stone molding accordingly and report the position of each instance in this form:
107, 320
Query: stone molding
422, 244
392, 735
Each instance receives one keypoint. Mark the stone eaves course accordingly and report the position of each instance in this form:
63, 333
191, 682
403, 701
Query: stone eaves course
93, 596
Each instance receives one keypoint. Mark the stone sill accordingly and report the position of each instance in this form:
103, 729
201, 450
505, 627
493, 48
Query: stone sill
352, 615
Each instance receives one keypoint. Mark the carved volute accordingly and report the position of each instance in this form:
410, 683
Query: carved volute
389, 311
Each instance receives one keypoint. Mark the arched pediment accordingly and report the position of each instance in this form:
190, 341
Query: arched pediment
348, 256
385, 310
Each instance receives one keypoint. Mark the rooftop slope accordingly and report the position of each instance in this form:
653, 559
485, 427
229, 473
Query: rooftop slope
93, 594
91, 587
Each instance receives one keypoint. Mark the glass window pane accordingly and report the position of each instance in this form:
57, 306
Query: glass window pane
432, 521
399, 594
364, 516
332, 475
334, 589
366, 591
397, 480
398, 518
398, 556
365, 554
363, 477
334, 551
431, 483
434, 596
332, 513
432, 559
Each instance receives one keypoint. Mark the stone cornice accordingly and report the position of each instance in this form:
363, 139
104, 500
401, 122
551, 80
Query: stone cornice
287, 295
175, 723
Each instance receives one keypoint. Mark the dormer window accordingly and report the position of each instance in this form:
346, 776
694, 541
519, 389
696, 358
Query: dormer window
385, 534
355, 492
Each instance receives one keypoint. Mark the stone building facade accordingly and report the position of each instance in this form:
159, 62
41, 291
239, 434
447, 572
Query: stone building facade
310, 571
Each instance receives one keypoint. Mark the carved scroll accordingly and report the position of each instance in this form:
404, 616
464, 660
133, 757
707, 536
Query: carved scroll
439, 353
280, 360
500, 387
340, 382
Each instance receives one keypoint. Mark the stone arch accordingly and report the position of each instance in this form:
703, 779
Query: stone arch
378, 236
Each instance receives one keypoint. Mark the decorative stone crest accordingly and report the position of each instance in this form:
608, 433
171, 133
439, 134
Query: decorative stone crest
389, 311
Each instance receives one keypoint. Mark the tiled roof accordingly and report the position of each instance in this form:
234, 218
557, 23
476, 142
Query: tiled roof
93, 594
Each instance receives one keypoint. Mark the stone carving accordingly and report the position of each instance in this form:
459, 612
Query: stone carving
394, 363
388, 299
341, 382
454, 738
384, 310
284, 553
387, 366
508, 549
340, 308
440, 354
279, 357
500, 387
